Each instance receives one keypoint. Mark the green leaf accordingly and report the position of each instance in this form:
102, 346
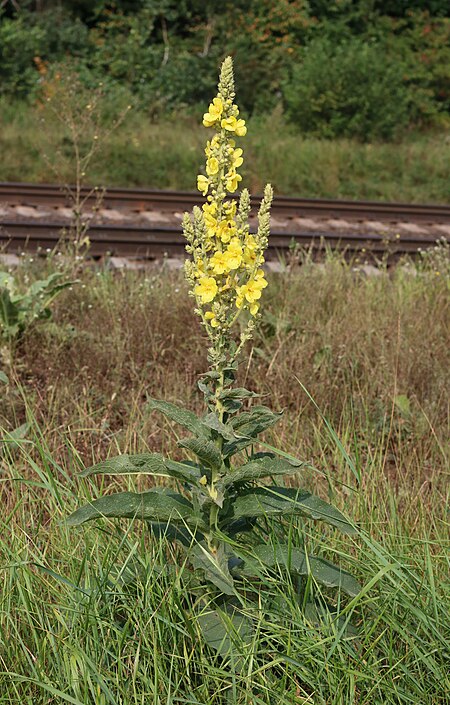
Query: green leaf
173, 532
248, 425
207, 451
211, 421
215, 567
257, 469
144, 464
3, 378
275, 501
141, 463
184, 417
226, 630
403, 405
155, 505
297, 561
232, 399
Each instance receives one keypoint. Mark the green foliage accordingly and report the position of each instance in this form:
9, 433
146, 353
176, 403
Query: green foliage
164, 55
217, 519
353, 89
19, 310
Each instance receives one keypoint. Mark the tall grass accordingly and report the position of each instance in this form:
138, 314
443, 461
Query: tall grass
167, 154
101, 616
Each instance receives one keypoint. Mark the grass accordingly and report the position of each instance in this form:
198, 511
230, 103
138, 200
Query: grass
166, 154
99, 615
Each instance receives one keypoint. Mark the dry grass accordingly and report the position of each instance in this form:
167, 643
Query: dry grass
371, 352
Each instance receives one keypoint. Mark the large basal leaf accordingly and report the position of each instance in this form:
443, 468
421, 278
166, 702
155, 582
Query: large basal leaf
248, 425
184, 417
275, 501
154, 505
263, 467
207, 451
175, 532
144, 464
227, 632
215, 567
296, 560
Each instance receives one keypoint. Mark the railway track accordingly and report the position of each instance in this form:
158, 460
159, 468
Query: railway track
144, 199
354, 226
155, 242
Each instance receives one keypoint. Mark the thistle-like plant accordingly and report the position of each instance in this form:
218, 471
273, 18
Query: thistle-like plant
216, 516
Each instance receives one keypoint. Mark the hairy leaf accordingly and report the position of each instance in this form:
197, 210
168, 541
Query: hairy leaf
223, 630
211, 421
273, 501
215, 567
154, 505
184, 417
257, 469
248, 425
207, 451
175, 532
297, 561
3, 378
232, 399
144, 464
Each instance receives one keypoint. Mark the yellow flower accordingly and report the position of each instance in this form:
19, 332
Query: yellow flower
251, 291
233, 253
237, 159
260, 278
202, 184
229, 124
214, 112
210, 316
229, 208
212, 166
232, 180
210, 208
254, 308
206, 289
225, 230
219, 263
240, 128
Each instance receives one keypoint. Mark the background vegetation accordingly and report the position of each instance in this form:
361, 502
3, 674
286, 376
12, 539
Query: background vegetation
332, 81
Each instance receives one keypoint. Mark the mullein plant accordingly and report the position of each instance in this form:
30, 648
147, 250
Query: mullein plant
220, 513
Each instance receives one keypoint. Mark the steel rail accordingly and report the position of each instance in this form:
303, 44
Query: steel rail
145, 199
156, 241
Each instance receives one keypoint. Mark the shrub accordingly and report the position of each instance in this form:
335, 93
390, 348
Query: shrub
354, 89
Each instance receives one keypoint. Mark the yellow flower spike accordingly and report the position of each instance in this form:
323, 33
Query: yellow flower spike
202, 184
203, 481
225, 274
206, 289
